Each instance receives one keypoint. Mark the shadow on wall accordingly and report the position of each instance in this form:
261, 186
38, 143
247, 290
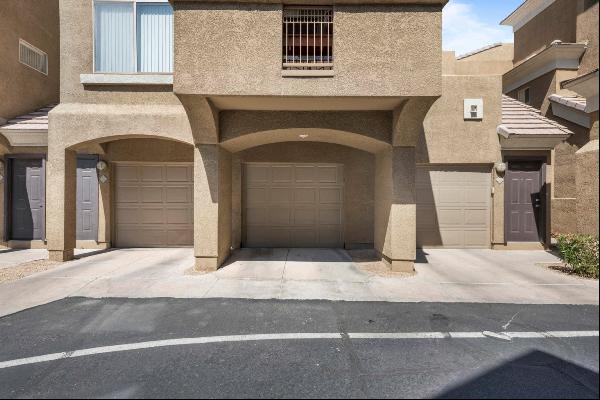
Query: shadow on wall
536, 374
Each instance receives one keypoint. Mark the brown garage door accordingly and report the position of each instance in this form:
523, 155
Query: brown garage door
293, 205
453, 207
154, 205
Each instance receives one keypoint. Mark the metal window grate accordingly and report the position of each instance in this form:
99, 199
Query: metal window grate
308, 38
33, 57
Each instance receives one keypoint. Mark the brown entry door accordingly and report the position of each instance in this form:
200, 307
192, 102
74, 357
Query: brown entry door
524, 201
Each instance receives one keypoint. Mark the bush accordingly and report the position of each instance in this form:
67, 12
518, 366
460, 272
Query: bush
580, 252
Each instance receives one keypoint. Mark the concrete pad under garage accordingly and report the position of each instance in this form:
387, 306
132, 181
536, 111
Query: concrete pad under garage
477, 276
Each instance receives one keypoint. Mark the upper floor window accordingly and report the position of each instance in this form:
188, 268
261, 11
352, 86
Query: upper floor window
33, 57
133, 36
524, 96
308, 38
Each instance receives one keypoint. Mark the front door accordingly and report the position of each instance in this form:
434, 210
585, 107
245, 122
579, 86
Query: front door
28, 199
87, 198
524, 201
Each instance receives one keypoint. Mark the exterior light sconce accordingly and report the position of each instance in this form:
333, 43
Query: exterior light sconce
102, 166
500, 168
303, 136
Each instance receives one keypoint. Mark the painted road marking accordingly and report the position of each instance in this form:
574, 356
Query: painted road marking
291, 336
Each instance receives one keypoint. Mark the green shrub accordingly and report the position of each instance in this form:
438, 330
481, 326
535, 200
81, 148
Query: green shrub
580, 252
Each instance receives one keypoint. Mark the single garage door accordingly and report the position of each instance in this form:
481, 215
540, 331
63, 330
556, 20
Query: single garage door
154, 205
453, 207
293, 205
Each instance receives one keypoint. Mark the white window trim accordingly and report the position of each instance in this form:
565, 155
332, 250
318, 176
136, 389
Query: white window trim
32, 47
135, 44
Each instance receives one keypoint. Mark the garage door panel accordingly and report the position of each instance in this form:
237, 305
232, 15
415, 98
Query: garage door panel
282, 174
154, 205
151, 194
280, 216
330, 195
305, 195
179, 194
453, 206
281, 195
299, 205
152, 173
178, 174
305, 216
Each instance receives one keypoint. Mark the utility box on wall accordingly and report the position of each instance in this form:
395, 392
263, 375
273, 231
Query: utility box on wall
473, 109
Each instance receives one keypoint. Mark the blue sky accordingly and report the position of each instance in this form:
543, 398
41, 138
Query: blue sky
472, 24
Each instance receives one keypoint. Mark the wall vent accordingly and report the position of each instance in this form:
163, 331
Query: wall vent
33, 57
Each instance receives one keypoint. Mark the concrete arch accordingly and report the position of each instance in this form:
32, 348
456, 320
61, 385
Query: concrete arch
73, 124
344, 138
99, 143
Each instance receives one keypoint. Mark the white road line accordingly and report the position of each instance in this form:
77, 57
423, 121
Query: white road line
287, 336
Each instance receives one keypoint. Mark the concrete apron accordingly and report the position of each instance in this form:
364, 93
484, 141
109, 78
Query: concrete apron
482, 276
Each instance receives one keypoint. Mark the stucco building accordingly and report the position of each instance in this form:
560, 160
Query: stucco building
221, 125
556, 71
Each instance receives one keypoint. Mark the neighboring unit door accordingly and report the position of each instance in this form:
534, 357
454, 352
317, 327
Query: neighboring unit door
28, 199
524, 201
154, 205
293, 205
87, 198
453, 206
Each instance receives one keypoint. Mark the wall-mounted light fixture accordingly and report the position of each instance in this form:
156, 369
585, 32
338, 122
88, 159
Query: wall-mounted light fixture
500, 167
101, 165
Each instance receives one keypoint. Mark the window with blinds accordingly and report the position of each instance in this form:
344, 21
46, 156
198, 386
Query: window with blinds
33, 57
308, 38
133, 36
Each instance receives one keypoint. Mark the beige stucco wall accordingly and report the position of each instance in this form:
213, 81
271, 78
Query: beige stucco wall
448, 138
379, 50
587, 31
557, 22
495, 61
587, 188
359, 170
23, 89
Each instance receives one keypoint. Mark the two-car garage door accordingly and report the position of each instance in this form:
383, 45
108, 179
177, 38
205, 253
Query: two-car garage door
154, 205
453, 207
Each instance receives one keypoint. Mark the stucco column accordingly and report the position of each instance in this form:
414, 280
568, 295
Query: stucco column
212, 206
61, 196
395, 207
586, 160
104, 210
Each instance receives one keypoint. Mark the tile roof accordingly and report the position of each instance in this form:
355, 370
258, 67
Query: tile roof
520, 119
34, 121
576, 102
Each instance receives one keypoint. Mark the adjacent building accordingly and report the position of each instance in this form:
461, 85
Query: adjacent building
222, 124
556, 71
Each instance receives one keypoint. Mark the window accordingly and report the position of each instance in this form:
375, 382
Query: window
33, 57
308, 38
133, 36
524, 96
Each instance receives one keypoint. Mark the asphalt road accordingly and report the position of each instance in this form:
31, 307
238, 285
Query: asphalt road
406, 349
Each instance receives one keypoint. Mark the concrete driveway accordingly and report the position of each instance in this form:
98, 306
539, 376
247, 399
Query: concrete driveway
442, 276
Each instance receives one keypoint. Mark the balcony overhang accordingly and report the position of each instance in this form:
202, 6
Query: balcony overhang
301, 103
558, 55
586, 86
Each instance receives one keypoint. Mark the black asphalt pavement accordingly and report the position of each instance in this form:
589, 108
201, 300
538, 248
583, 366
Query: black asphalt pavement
320, 368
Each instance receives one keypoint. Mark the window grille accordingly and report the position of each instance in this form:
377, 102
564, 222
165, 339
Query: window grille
308, 38
33, 57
